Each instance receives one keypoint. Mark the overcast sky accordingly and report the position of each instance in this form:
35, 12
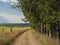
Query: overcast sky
8, 14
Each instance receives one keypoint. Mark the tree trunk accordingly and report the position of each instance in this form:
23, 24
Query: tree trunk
43, 29
52, 30
55, 29
58, 30
48, 32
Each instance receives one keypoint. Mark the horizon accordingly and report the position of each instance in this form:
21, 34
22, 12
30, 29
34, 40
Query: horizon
14, 23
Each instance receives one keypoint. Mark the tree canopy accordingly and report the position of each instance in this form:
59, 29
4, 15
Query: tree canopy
39, 11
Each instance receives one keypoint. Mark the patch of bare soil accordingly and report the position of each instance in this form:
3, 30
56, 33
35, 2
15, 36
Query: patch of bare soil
25, 39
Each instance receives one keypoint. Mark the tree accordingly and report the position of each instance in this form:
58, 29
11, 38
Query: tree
41, 13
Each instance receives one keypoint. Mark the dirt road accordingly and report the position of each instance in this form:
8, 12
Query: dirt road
30, 38
25, 39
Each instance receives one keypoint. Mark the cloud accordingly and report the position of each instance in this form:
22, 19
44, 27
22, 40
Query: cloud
4, 18
8, 1
12, 2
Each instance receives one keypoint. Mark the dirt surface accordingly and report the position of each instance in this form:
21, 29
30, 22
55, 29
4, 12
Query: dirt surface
25, 39
28, 38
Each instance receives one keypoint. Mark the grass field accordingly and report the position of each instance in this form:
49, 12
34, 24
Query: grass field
7, 37
45, 40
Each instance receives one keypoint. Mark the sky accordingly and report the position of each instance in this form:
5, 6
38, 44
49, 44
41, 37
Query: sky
8, 14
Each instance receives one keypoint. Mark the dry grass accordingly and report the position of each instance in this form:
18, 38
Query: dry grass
44, 40
7, 37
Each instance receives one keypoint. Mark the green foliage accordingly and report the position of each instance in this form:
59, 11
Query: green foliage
39, 11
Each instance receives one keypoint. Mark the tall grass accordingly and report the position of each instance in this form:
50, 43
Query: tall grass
44, 40
7, 37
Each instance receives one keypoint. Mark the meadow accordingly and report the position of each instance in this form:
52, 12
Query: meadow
8, 34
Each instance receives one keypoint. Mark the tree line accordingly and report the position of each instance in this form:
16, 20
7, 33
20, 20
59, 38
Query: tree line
43, 15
